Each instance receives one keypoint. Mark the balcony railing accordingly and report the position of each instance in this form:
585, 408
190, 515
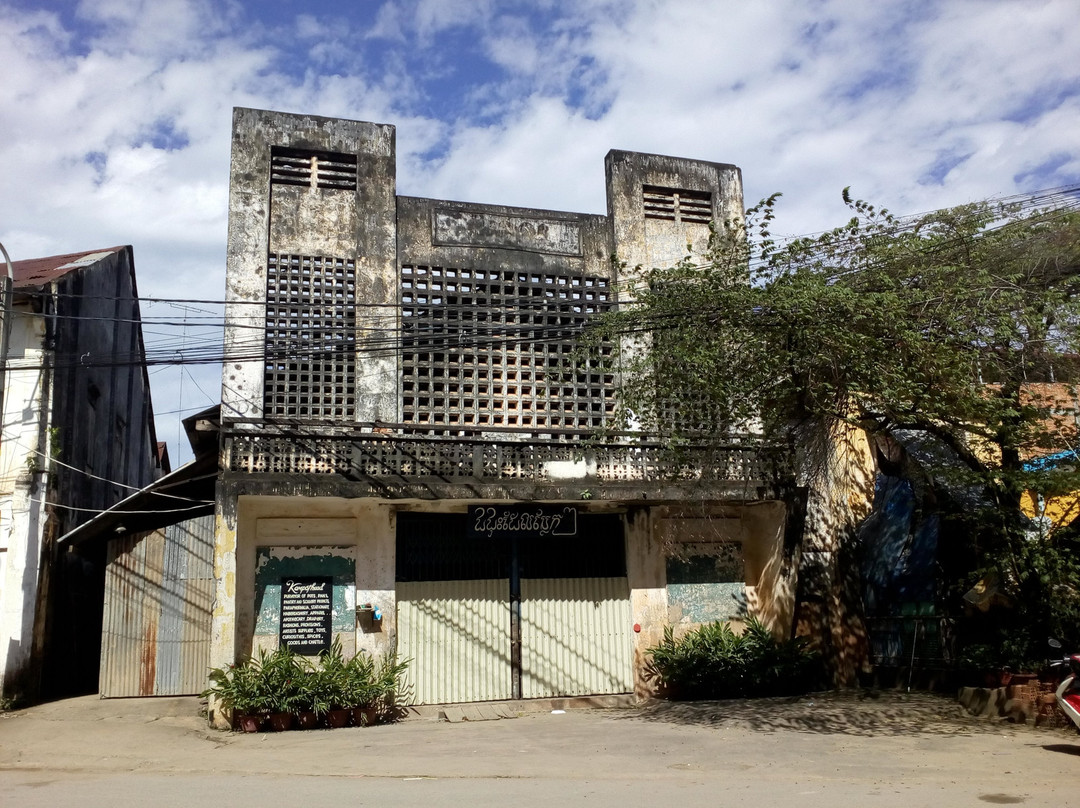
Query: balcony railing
373, 455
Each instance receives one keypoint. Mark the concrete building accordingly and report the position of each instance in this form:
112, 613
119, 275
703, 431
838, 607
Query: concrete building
78, 435
398, 429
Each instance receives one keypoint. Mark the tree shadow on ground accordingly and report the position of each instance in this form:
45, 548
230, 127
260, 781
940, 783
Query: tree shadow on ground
846, 712
1064, 748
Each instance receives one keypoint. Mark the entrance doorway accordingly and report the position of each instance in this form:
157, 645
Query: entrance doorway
487, 618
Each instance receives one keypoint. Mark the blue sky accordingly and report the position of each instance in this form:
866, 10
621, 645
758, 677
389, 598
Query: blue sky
115, 114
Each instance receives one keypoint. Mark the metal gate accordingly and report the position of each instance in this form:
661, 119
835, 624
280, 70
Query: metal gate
486, 618
457, 634
452, 610
159, 592
575, 637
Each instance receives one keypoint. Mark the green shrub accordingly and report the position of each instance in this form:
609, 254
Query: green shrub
271, 683
282, 678
370, 682
388, 681
359, 681
713, 662
284, 682
327, 684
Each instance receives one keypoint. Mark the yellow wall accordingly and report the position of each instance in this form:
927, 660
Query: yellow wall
1059, 511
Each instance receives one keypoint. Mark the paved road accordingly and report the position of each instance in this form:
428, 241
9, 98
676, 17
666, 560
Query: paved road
832, 750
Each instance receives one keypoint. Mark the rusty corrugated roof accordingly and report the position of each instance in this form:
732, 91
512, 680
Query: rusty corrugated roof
36, 271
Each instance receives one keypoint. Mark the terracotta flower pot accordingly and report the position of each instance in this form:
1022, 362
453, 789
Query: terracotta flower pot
279, 722
248, 723
336, 719
307, 719
365, 716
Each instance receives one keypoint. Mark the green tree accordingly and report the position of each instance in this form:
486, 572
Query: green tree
938, 324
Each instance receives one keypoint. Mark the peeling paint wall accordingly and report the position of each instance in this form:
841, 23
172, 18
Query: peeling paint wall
707, 584
272, 564
727, 565
837, 469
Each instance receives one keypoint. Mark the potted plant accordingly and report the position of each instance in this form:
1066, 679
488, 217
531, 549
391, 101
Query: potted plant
333, 685
358, 689
315, 697
386, 686
281, 678
237, 690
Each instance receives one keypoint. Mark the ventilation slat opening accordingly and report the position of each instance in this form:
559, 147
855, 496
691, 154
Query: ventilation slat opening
676, 205
316, 169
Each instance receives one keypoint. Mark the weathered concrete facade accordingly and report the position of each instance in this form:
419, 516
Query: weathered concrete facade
394, 362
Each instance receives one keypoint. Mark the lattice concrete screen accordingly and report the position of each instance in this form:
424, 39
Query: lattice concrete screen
492, 348
310, 345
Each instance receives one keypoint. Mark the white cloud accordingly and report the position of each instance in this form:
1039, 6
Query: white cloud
915, 105
433, 16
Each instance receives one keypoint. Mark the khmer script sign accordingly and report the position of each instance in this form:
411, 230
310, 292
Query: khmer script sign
532, 521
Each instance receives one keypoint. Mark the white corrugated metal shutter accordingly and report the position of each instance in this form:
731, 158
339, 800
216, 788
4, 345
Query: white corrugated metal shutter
457, 635
576, 637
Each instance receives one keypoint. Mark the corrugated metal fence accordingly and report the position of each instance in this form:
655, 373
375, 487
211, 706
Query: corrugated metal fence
159, 590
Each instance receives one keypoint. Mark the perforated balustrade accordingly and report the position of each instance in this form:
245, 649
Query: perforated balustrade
487, 348
310, 345
366, 455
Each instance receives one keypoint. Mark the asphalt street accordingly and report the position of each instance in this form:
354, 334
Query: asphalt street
853, 748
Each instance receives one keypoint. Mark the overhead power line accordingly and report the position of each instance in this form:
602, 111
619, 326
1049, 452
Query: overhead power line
386, 330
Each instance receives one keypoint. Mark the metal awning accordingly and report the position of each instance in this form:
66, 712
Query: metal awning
182, 494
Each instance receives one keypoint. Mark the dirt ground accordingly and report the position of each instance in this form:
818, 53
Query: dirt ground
887, 749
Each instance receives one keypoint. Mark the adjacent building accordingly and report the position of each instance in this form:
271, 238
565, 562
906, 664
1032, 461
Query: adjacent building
406, 462
77, 436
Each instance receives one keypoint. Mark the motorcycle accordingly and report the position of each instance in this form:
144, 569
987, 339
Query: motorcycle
1068, 692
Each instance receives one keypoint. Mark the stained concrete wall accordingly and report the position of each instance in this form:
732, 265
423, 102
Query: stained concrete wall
658, 242
388, 233
357, 225
360, 527
753, 535
495, 237
366, 530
